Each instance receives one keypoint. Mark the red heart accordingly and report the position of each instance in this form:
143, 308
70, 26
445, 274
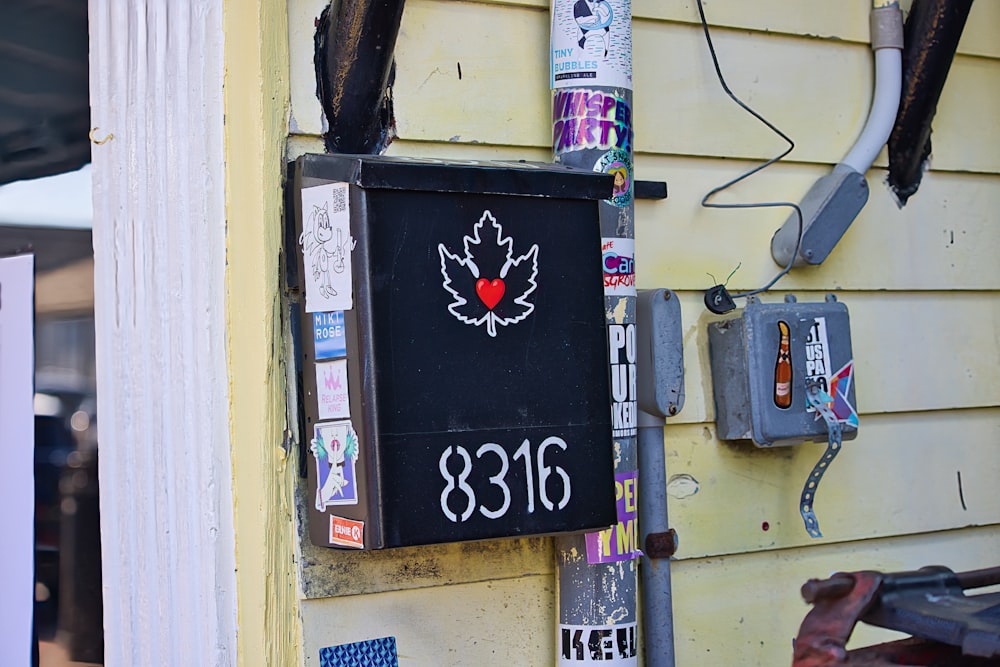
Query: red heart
490, 292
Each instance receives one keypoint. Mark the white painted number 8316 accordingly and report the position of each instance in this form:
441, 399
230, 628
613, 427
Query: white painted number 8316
460, 484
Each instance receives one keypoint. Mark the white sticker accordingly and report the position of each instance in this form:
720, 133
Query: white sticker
598, 644
591, 43
326, 245
624, 394
17, 487
818, 356
618, 261
490, 283
331, 390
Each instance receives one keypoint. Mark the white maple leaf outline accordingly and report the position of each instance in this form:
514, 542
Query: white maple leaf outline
490, 318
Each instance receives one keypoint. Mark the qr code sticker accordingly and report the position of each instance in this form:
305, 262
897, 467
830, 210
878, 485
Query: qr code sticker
338, 200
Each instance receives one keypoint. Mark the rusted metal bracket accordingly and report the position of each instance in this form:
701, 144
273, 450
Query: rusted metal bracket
838, 603
951, 629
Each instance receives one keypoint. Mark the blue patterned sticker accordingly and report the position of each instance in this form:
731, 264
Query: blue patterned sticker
328, 333
372, 653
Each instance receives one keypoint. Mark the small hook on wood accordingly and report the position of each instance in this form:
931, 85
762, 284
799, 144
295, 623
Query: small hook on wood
99, 142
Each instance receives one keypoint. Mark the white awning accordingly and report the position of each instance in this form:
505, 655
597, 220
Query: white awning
63, 200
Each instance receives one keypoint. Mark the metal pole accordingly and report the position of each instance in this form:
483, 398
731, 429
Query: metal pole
660, 544
591, 58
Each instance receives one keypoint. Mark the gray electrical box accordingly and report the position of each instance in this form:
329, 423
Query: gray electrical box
763, 360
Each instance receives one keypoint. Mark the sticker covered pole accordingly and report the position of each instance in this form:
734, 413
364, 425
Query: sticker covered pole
591, 81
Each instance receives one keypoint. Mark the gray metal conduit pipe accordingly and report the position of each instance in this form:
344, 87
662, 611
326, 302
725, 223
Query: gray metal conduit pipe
660, 366
659, 543
835, 200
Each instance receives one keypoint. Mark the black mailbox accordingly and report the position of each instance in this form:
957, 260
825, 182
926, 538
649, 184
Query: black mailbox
454, 350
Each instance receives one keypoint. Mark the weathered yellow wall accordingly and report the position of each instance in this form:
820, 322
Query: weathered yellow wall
920, 284
256, 102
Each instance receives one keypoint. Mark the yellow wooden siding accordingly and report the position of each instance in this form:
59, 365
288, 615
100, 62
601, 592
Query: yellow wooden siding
912, 351
491, 623
821, 19
816, 91
873, 489
920, 283
745, 606
744, 610
945, 239
818, 19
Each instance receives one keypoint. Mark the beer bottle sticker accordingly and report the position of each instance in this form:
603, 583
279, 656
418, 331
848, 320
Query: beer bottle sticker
783, 369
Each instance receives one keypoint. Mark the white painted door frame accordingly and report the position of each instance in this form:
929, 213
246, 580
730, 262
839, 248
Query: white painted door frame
156, 85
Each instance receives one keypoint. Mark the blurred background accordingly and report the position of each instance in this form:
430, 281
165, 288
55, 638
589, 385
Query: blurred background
45, 208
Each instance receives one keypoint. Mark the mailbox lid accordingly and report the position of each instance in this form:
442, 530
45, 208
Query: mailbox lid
534, 179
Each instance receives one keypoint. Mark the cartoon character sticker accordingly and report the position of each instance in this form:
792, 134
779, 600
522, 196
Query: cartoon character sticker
489, 284
335, 450
594, 17
326, 247
592, 43
618, 163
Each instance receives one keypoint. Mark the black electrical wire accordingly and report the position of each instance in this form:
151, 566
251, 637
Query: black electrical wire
770, 204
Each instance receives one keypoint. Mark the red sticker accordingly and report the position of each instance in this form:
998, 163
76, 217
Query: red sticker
347, 532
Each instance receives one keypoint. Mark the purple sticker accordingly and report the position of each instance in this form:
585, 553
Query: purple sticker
335, 449
621, 541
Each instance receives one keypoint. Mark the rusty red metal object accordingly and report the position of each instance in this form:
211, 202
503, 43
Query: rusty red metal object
661, 545
914, 652
838, 603
928, 602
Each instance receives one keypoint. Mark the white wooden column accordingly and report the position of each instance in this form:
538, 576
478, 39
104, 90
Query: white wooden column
156, 69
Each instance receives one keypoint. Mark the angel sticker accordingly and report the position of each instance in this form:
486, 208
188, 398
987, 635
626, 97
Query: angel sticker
335, 449
326, 247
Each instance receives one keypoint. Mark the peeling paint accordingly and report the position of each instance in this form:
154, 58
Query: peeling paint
617, 312
327, 572
616, 615
682, 486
